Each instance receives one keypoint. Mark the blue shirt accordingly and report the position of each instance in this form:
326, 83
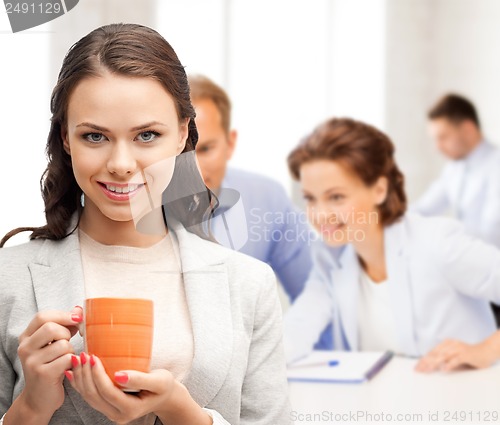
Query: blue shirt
256, 217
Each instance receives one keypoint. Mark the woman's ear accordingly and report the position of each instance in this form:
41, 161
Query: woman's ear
380, 190
64, 137
183, 134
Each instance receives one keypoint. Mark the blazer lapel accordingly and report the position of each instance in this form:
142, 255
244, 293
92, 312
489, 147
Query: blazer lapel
208, 297
58, 284
345, 279
397, 260
57, 275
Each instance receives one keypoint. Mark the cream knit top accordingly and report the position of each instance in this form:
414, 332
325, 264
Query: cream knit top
152, 273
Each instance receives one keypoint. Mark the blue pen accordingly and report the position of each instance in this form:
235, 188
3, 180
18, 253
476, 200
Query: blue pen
329, 363
377, 367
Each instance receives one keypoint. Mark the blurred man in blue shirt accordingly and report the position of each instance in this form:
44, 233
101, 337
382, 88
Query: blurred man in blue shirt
255, 216
275, 231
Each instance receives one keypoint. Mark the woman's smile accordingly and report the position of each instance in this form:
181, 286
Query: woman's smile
331, 228
120, 191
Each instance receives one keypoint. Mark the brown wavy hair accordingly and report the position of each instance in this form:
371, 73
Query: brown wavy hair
129, 50
365, 150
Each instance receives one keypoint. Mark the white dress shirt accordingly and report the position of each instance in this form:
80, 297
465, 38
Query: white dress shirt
469, 189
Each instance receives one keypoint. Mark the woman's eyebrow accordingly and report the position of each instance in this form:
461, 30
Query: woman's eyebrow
139, 127
332, 189
149, 124
94, 126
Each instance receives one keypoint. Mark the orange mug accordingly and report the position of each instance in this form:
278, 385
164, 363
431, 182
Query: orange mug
120, 332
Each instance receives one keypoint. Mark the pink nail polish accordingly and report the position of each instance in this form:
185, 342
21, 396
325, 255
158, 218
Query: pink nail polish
121, 377
68, 375
77, 318
74, 361
92, 360
83, 358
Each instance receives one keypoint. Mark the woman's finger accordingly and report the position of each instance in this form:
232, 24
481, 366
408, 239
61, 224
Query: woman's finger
77, 373
89, 387
433, 354
157, 381
63, 318
58, 366
53, 351
453, 363
78, 311
44, 335
124, 406
423, 365
431, 362
81, 379
105, 386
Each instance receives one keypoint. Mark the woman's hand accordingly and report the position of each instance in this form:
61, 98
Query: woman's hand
45, 354
454, 355
160, 393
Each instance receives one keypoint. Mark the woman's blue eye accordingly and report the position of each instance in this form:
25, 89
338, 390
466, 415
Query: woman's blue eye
336, 197
94, 137
148, 136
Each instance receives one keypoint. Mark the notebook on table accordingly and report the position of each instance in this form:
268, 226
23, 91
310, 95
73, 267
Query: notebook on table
338, 366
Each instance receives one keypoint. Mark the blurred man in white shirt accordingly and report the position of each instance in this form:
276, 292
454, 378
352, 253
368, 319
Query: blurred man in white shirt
469, 185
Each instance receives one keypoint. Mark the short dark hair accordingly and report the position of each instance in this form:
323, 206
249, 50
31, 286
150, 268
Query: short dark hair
204, 88
367, 151
455, 108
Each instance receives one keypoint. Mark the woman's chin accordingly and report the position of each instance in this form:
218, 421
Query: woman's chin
121, 218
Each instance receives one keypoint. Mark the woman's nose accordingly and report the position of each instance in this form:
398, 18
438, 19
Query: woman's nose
122, 160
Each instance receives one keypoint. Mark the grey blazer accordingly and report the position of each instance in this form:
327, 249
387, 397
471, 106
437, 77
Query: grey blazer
238, 367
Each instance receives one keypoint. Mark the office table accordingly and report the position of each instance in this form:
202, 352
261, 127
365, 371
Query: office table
398, 394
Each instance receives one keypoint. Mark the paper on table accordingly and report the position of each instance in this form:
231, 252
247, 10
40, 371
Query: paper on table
353, 367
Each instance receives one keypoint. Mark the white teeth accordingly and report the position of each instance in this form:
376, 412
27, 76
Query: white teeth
125, 189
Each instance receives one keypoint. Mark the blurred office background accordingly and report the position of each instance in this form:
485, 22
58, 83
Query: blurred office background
287, 65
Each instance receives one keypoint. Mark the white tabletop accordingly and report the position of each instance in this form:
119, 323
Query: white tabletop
471, 396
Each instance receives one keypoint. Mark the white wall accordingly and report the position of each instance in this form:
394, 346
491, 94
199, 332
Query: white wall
409, 74
199, 38
436, 46
24, 120
467, 56
286, 64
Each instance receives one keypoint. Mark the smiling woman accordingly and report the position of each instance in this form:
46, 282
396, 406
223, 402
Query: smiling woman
125, 205
385, 278
114, 141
